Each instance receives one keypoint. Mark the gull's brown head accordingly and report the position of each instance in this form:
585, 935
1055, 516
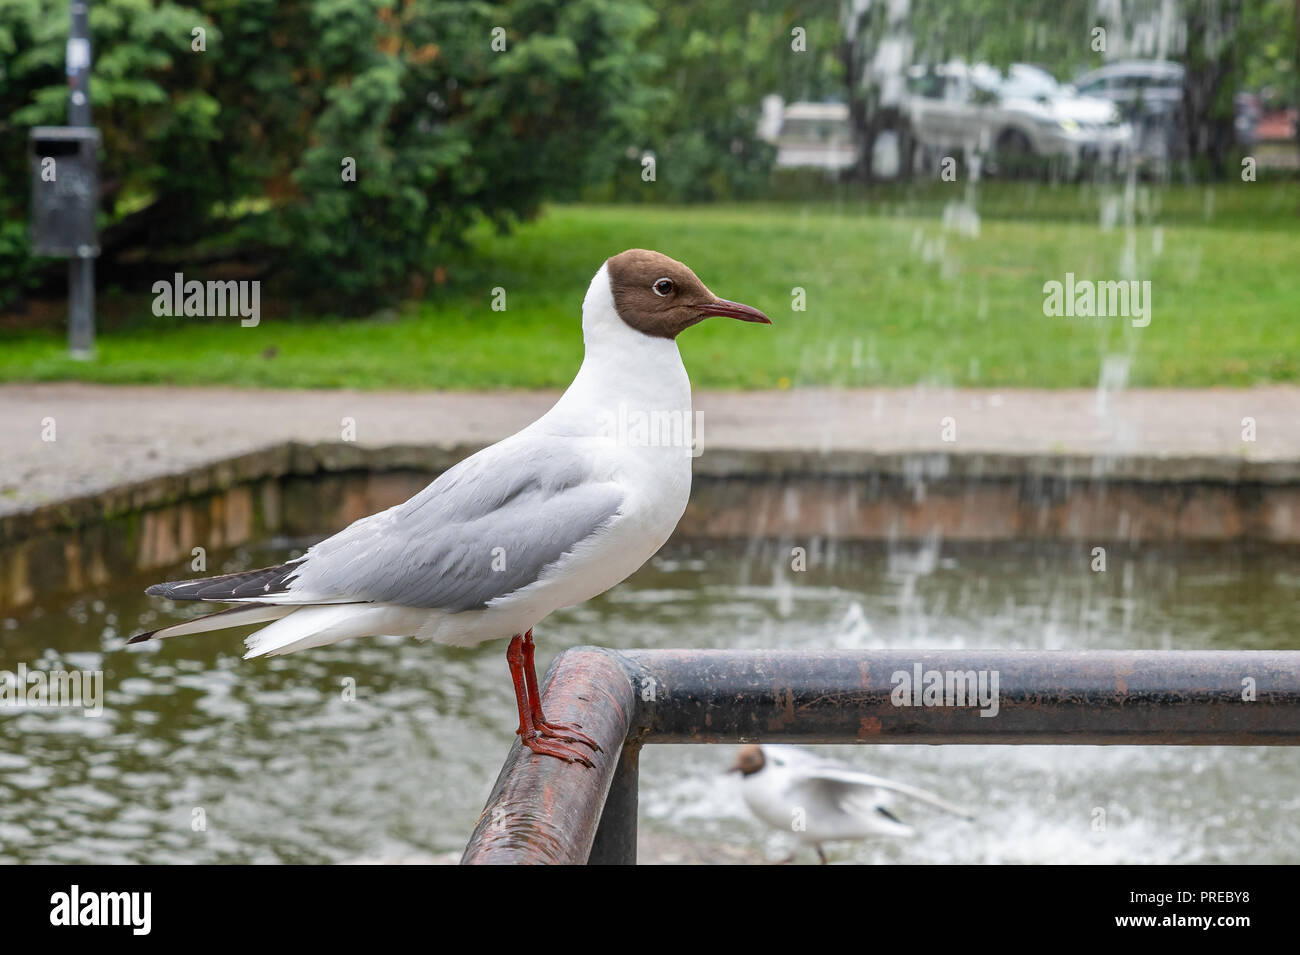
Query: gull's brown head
749, 760
661, 297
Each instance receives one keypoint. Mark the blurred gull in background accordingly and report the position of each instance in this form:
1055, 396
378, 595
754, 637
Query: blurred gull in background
821, 800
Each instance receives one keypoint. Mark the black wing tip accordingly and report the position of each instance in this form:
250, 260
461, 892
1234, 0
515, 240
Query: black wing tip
248, 583
141, 637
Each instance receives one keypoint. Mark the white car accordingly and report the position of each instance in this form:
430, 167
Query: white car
814, 135
1014, 118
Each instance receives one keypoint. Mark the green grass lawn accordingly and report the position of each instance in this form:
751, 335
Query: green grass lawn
894, 297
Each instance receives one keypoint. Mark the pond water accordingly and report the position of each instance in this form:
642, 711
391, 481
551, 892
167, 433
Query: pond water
200, 756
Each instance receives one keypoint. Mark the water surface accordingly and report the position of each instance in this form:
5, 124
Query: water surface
200, 756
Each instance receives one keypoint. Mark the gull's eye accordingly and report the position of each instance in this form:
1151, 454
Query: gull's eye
664, 287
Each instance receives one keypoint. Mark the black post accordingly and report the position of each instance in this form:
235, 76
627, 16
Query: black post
81, 266
615, 842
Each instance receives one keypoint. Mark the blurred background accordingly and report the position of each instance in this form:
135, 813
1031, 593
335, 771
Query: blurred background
919, 168
423, 191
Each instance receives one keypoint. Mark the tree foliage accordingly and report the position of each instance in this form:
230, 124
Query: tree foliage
232, 127
450, 111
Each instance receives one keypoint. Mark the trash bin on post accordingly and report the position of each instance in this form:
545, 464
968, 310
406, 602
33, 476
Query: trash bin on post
65, 197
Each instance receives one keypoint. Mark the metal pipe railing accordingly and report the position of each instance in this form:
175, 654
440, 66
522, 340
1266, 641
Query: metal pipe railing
547, 811
539, 811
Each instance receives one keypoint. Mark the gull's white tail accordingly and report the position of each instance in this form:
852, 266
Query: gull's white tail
299, 627
318, 626
221, 620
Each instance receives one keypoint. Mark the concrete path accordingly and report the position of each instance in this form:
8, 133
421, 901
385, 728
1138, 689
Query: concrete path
108, 435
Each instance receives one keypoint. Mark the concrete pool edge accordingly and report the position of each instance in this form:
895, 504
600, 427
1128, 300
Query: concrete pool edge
300, 489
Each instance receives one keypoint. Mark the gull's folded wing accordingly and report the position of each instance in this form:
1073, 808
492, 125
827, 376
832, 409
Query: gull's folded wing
485, 528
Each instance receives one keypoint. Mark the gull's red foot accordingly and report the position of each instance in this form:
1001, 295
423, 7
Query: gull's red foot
539, 734
554, 747
568, 732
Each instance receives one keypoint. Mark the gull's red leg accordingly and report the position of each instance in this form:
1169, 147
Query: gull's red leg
528, 732
569, 732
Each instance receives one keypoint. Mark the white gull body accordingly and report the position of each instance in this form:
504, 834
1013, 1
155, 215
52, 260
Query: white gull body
546, 518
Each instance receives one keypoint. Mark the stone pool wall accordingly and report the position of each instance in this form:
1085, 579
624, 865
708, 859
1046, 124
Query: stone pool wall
302, 490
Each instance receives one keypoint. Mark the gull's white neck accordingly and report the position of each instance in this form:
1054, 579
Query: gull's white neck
621, 366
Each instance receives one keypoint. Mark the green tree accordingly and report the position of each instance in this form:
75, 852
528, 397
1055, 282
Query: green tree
447, 111
445, 128
150, 103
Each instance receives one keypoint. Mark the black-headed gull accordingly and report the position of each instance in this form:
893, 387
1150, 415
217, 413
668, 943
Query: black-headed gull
547, 518
820, 800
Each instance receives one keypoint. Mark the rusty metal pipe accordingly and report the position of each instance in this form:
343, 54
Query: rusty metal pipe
542, 810
1044, 696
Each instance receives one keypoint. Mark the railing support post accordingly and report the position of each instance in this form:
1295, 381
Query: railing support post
615, 842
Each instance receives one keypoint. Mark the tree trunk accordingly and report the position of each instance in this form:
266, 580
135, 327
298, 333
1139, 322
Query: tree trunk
1210, 83
860, 119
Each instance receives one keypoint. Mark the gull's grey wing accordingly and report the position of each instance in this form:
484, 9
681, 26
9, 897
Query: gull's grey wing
485, 528
848, 786
829, 784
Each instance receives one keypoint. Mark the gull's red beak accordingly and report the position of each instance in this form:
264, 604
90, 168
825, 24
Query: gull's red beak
735, 310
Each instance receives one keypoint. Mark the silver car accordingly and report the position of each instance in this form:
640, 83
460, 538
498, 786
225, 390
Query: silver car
1016, 117
1150, 95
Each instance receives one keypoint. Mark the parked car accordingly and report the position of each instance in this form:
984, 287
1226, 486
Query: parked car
1132, 83
819, 136
1150, 95
1019, 117
814, 135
